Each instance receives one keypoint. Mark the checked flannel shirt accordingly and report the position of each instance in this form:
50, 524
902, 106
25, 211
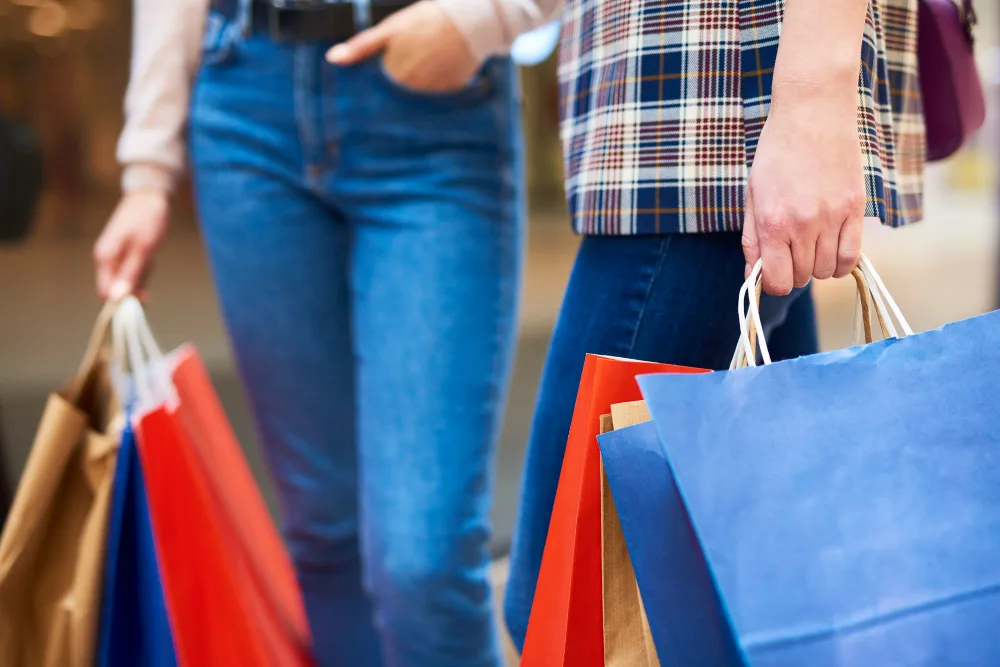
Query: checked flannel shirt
663, 101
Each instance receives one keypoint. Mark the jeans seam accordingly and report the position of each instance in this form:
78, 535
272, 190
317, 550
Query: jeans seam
511, 244
303, 96
664, 247
507, 155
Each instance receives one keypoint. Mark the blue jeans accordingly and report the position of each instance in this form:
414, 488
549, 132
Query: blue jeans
366, 243
670, 299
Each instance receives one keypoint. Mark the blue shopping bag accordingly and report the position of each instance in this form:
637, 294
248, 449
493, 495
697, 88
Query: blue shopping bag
134, 627
659, 536
841, 509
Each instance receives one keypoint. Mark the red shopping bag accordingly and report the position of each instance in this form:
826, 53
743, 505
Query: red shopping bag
566, 626
230, 588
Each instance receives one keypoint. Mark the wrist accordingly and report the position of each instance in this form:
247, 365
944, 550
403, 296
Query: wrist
830, 88
813, 63
148, 178
158, 196
479, 24
154, 205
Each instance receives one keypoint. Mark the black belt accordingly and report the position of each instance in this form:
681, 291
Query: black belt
309, 20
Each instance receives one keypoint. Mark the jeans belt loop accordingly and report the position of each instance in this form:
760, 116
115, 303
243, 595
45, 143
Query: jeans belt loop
245, 17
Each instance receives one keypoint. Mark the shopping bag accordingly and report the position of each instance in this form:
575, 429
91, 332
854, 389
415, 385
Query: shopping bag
53, 546
628, 639
6, 494
664, 551
838, 509
231, 593
134, 628
237, 498
566, 622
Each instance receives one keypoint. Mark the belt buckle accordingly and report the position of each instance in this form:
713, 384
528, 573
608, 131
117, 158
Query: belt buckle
309, 21
384, 9
277, 16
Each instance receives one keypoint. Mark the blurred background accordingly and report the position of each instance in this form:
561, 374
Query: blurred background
63, 70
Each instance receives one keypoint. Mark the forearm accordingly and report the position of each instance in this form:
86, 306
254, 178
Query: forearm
165, 52
819, 52
491, 26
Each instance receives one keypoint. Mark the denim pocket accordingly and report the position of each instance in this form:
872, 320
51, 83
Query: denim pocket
479, 89
219, 40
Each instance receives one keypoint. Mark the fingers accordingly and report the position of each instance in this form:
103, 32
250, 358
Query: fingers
130, 273
123, 265
826, 254
803, 259
123, 255
108, 253
792, 253
361, 47
751, 244
767, 240
776, 255
849, 249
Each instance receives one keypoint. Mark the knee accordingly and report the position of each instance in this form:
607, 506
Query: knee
321, 546
431, 578
429, 582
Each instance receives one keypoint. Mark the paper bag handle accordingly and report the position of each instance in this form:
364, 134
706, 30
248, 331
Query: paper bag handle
870, 286
98, 343
864, 300
136, 353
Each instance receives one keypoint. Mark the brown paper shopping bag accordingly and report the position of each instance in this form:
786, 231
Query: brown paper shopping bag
628, 641
52, 548
6, 494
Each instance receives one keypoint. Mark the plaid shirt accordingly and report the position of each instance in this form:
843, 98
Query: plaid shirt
663, 102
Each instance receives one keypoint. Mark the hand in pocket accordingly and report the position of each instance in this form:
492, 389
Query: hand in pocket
421, 50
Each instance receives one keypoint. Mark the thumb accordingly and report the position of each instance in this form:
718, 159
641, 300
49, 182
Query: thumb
751, 245
128, 277
361, 47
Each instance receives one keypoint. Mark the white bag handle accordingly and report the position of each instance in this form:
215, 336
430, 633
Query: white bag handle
138, 357
751, 329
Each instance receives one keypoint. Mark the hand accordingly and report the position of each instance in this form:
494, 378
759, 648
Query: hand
421, 49
123, 255
805, 199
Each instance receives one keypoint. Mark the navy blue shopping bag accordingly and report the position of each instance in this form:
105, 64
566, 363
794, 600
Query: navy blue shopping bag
134, 626
664, 551
841, 509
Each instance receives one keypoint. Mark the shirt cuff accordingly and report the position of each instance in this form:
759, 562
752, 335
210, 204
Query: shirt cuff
148, 177
480, 24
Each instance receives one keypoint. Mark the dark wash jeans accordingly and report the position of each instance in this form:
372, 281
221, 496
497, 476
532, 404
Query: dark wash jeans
670, 299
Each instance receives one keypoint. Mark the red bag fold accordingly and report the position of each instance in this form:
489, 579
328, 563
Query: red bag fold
230, 587
566, 626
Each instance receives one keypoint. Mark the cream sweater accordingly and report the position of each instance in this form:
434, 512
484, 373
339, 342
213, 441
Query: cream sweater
166, 39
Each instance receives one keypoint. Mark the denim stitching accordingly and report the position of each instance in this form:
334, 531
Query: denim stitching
503, 121
303, 95
664, 247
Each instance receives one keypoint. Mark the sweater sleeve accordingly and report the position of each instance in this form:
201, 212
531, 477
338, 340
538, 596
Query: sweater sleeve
166, 41
491, 26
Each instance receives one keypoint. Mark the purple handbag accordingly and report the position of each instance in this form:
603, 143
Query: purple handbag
954, 104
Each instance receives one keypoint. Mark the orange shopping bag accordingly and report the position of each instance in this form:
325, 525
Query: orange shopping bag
566, 626
229, 585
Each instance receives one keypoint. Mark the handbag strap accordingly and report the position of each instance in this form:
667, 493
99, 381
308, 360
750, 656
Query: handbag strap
967, 17
966, 13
